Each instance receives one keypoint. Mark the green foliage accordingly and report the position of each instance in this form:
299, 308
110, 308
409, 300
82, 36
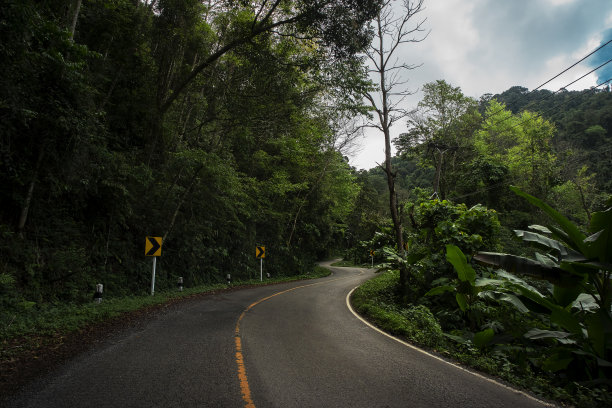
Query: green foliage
436, 224
134, 125
577, 265
556, 326
467, 290
439, 132
440, 222
59, 319
375, 299
583, 123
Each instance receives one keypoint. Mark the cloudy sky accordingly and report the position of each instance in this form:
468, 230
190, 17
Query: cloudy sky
488, 46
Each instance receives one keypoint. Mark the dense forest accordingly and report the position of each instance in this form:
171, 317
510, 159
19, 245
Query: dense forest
575, 162
503, 280
215, 125
221, 126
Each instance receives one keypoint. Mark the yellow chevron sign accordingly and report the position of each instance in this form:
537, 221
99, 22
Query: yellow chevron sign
153, 246
260, 252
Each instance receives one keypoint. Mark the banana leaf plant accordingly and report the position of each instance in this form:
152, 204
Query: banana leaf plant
579, 267
467, 289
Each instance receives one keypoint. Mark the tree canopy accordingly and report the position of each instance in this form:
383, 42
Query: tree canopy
210, 124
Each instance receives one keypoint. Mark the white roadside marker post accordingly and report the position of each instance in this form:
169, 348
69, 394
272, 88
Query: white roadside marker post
98, 294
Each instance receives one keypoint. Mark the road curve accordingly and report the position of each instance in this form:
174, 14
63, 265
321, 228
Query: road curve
289, 345
305, 348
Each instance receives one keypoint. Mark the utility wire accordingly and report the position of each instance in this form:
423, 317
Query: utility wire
539, 115
557, 91
588, 73
576, 63
559, 74
567, 162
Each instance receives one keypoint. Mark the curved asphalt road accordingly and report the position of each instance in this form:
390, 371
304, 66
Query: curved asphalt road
289, 345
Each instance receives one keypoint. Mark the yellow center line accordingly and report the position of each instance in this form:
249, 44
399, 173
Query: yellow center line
245, 389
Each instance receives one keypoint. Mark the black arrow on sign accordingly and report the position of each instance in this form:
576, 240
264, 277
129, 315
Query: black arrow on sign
155, 246
259, 253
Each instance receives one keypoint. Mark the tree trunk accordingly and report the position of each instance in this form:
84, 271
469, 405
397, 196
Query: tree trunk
397, 223
28, 201
75, 17
438, 174
192, 184
304, 201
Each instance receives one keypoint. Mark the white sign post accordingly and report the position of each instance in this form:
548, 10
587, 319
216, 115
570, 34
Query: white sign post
153, 277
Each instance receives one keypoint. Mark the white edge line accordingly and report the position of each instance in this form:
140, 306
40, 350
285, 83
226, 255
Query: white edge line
531, 397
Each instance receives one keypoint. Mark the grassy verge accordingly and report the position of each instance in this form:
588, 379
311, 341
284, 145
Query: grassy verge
377, 300
38, 326
346, 263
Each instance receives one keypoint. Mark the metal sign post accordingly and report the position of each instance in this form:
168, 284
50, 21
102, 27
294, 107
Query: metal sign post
261, 269
153, 277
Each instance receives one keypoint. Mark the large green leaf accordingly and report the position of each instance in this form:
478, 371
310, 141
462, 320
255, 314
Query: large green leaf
462, 301
487, 282
503, 297
564, 253
439, 290
558, 361
526, 266
540, 228
572, 231
585, 302
596, 323
538, 334
559, 315
482, 338
566, 319
465, 272
601, 240
515, 280
546, 260
566, 296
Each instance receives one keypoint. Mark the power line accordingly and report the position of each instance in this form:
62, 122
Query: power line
561, 73
588, 73
539, 115
559, 90
572, 66
570, 161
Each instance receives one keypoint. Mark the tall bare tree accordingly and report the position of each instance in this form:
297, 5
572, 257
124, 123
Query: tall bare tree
394, 27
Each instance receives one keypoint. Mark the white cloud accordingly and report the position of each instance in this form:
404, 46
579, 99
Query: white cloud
560, 2
488, 46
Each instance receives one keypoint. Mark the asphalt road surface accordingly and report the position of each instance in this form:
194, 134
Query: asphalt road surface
288, 345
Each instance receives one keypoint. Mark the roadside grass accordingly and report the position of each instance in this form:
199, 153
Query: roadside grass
351, 264
378, 301
344, 263
38, 325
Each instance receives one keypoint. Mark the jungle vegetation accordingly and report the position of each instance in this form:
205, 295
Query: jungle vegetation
222, 126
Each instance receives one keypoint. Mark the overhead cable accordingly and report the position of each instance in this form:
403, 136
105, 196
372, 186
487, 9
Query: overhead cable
561, 73
559, 90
